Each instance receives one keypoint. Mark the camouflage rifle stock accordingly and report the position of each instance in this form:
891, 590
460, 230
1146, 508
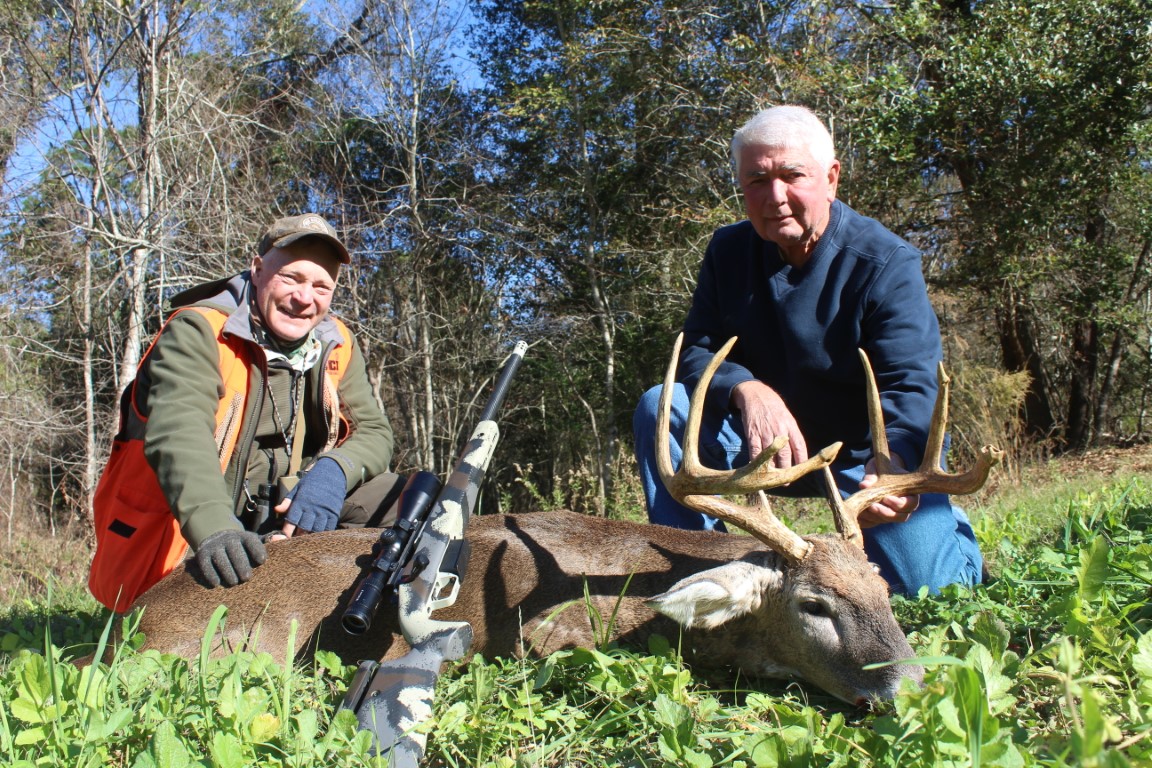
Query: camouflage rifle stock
391, 699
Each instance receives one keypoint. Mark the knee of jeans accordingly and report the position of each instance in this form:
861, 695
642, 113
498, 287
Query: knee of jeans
964, 572
944, 553
646, 409
719, 455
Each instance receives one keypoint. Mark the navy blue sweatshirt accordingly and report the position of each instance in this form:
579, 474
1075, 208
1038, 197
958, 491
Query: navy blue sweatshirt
799, 330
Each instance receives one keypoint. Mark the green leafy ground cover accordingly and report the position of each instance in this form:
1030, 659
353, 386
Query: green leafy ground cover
1050, 664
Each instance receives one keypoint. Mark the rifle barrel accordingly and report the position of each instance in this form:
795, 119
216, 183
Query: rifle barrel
400, 692
500, 389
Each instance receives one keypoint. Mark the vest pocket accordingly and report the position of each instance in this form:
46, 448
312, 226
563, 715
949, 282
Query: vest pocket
138, 540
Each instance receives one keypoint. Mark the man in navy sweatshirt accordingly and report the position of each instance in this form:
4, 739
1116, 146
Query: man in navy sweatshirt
804, 282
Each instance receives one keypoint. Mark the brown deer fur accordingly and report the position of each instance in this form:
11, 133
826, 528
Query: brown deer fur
743, 606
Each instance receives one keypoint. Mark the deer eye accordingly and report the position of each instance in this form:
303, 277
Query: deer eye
813, 608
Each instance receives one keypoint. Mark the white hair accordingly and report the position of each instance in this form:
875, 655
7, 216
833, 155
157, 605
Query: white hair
785, 126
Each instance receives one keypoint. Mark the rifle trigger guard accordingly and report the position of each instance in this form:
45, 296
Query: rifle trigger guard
445, 581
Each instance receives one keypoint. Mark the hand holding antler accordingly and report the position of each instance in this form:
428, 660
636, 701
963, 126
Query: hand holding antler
702, 488
889, 509
890, 480
765, 417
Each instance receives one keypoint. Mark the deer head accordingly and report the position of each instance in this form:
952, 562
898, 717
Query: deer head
825, 607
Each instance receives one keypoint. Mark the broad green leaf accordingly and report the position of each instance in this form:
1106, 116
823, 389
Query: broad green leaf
92, 687
227, 751
1093, 570
144, 760
695, 759
1088, 737
658, 645
454, 719
330, 663
796, 735
306, 727
29, 712
990, 632
1001, 753
101, 729
167, 750
266, 725
226, 702
764, 749
997, 686
672, 714
36, 735
1142, 659
35, 683
950, 716
253, 702
544, 674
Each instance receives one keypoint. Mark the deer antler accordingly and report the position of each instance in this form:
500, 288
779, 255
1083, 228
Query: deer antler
700, 487
928, 478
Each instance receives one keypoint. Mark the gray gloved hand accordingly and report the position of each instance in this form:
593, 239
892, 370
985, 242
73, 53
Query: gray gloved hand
227, 557
318, 497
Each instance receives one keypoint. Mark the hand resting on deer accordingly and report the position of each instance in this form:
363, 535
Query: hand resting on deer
809, 607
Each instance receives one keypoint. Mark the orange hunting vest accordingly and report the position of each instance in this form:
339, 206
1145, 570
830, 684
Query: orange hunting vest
138, 539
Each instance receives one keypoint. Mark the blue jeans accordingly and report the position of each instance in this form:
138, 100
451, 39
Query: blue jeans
934, 547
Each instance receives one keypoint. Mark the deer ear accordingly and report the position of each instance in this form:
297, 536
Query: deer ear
711, 598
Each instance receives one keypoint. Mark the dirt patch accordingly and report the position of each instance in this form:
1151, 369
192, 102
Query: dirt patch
1105, 462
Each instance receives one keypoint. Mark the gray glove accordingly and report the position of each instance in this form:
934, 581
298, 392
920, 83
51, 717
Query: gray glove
227, 557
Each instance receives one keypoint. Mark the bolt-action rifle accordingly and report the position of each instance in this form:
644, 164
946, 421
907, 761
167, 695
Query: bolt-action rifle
421, 560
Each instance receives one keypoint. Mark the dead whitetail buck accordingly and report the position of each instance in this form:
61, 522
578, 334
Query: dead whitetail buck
809, 607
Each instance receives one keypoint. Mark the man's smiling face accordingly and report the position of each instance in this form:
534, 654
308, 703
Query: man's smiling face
294, 287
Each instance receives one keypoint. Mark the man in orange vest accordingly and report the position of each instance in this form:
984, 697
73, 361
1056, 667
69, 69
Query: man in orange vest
251, 418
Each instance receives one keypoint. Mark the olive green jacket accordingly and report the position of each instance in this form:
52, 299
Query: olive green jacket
178, 392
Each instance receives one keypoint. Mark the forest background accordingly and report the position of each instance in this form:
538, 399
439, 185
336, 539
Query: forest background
552, 171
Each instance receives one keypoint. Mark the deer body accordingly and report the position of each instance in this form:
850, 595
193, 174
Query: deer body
742, 606
776, 605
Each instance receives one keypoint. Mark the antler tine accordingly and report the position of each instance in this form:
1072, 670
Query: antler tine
935, 445
700, 487
929, 477
876, 419
758, 474
846, 522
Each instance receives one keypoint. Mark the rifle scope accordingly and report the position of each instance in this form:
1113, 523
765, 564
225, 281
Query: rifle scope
395, 544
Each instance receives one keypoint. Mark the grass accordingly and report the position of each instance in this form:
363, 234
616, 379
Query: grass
1049, 664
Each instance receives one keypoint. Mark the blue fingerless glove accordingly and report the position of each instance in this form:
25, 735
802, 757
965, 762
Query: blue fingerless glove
319, 496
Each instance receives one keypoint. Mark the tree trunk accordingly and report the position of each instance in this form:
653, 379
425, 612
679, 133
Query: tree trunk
1019, 353
1119, 338
147, 42
1078, 434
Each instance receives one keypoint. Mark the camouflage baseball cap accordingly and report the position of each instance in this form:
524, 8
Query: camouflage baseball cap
291, 228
